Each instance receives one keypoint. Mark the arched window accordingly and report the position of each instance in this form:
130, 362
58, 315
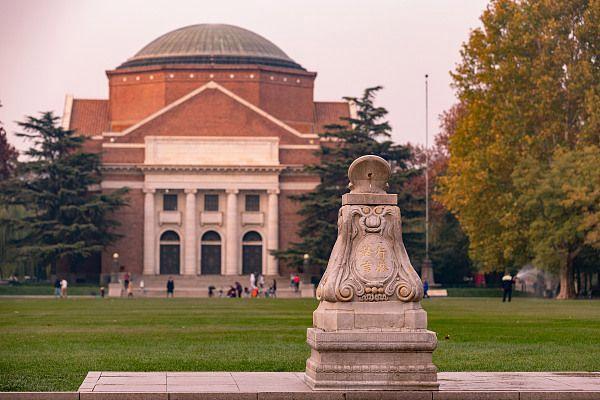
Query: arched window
252, 236
211, 236
252, 253
169, 236
210, 253
169, 253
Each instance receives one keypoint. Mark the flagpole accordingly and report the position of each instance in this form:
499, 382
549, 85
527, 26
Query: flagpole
427, 267
426, 167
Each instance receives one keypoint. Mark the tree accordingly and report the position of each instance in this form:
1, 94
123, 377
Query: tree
8, 162
8, 155
448, 243
561, 202
65, 220
529, 80
367, 133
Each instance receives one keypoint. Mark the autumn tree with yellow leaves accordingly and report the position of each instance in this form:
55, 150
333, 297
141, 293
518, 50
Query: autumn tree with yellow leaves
529, 82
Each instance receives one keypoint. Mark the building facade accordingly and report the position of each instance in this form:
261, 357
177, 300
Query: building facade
209, 126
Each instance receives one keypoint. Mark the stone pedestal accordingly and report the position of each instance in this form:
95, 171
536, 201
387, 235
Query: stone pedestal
115, 289
369, 331
427, 272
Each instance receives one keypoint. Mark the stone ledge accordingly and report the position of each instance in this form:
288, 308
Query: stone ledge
324, 395
291, 386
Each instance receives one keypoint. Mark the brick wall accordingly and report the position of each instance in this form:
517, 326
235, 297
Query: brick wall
130, 246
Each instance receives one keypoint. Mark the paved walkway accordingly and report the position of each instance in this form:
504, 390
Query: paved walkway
290, 385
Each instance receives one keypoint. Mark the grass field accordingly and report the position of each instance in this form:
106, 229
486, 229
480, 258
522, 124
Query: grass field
48, 344
46, 289
86, 289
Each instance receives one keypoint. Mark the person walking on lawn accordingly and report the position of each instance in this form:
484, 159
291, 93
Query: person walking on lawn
57, 288
170, 287
63, 288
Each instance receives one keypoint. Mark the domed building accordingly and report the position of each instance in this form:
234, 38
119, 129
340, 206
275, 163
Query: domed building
209, 126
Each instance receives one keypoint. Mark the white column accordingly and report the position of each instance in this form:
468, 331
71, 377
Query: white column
272, 232
189, 241
232, 241
149, 232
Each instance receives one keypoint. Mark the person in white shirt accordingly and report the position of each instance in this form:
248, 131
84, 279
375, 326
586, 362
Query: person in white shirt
63, 288
252, 281
261, 281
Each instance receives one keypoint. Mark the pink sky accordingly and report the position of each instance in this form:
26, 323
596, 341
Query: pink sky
51, 48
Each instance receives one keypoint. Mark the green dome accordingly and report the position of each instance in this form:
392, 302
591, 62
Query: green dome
211, 44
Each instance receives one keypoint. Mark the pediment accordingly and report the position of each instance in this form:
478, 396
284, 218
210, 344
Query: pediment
212, 111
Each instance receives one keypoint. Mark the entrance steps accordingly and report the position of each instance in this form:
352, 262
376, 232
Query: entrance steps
197, 286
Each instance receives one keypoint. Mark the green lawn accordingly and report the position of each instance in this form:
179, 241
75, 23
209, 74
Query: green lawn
47, 289
48, 344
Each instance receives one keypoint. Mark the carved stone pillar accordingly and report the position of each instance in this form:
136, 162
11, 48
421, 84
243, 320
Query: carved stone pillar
149, 232
272, 231
369, 330
232, 241
190, 243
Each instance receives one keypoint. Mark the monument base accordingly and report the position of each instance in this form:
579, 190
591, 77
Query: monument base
371, 346
368, 359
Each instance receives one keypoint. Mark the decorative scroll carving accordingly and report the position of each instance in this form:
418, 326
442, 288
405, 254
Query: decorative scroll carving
369, 261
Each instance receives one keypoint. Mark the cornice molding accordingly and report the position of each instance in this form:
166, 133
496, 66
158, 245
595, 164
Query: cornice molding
141, 168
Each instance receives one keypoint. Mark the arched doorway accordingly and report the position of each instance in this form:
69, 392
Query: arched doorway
169, 253
210, 253
252, 253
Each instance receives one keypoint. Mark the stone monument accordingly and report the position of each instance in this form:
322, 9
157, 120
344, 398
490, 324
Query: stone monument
369, 331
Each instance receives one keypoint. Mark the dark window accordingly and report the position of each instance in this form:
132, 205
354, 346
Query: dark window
169, 253
211, 236
252, 202
169, 236
211, 202
210, 253
169, 259
170, 202
251, 253
252, 237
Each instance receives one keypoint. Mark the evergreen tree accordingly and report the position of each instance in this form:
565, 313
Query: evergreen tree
8, 163
366, 133
65, 220
8, 155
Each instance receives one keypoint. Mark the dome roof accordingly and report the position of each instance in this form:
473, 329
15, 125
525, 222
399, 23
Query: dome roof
211, 44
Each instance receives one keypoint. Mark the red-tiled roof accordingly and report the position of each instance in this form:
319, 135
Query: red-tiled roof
90, 117
329, 112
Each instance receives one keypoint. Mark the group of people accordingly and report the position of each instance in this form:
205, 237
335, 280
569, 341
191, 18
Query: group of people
256, 289
60, 288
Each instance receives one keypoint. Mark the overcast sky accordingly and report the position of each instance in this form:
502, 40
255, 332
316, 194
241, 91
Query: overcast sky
51, 48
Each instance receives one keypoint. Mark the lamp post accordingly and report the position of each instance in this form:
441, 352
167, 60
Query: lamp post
114, 276
305, 272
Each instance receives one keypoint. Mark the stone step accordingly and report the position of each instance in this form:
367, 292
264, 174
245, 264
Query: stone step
286, 293
204, 281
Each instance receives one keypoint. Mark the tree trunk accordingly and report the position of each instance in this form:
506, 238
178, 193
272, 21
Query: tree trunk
567, 283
